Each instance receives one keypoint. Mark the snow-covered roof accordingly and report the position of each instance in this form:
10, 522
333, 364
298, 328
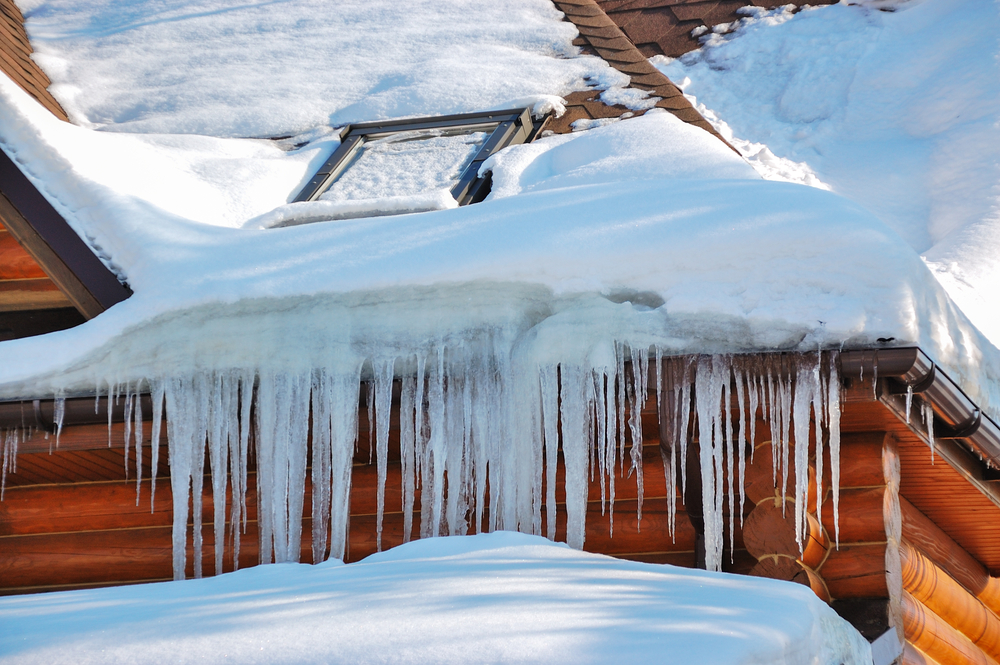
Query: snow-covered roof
646, 205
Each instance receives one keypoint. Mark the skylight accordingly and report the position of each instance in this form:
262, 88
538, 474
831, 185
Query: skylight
379, 166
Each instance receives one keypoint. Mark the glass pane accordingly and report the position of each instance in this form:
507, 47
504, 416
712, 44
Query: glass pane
405, 164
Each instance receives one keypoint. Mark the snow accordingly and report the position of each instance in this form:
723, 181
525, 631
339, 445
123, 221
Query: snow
498, 598
638, 239
899, 111
276, 69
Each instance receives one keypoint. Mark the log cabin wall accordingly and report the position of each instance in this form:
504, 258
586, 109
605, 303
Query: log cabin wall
917, 546
70, 519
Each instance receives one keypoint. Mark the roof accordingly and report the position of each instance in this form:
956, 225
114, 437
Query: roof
16, 62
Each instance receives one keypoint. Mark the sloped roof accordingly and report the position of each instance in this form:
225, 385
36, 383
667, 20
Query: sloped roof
600, 35
664, 27
16, 62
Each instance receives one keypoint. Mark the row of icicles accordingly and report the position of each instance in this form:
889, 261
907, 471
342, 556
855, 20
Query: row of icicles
477, 434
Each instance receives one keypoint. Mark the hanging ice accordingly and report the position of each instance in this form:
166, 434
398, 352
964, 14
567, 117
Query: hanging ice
482, 428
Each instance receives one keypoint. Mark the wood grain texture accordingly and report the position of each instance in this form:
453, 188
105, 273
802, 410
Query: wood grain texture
949, 600
856, 571
790, 570
948, 555
770, 529
933, 636
914, 656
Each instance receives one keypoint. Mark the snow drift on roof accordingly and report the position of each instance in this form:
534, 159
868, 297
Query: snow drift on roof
899, 111
280, 68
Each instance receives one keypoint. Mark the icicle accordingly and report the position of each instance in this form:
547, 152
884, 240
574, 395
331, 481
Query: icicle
343, 395
729, 451
239, 446
282, 427
137, 402
741, 439
929, 422
640, 374
181, 435
10, 442
128, 425
432, 493
833, 421
219, 420
574, 415
803, 399
382, 392
157, 390
58, 415
200, 399
549, 381
407, 450
909, 402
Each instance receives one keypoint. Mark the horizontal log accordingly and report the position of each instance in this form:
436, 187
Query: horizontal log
949, 555
914, 656
933, 636
861, 518
856, 571
761, 484
767, 531
860, 459
790, 570
113, 557
949, 600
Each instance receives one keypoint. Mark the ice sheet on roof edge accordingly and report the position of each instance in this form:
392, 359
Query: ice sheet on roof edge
473, 416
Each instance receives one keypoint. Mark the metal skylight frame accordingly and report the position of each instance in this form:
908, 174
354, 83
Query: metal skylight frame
506, 128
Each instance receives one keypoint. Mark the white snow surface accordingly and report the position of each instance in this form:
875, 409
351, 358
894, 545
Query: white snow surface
648, 211
898, 111
281, 67
497, 598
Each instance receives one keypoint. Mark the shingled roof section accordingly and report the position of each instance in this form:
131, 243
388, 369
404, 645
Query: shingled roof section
16, 62
664, 27
601, 36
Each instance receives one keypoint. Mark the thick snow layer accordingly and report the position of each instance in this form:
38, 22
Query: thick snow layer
899, 111
278, 68
498, 598
647, 211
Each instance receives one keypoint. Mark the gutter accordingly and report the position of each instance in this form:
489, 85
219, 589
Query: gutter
908, 371
907, 382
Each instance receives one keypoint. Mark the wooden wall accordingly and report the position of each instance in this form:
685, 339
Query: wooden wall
69, 519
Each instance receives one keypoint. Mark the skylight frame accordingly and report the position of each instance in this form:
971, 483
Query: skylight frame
510, 127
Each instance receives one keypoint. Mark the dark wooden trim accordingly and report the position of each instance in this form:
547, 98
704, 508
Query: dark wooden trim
56, 247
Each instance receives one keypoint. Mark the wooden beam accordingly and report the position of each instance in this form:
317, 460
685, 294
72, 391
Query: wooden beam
948, 599
18, 295
57, 249
786, 568
950, 556
914, 656
933, 636
770, 529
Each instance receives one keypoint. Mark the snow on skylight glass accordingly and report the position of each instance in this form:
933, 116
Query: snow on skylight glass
406, 164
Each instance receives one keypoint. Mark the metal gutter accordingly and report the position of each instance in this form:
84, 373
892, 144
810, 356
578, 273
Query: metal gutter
904, 380
903, 371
